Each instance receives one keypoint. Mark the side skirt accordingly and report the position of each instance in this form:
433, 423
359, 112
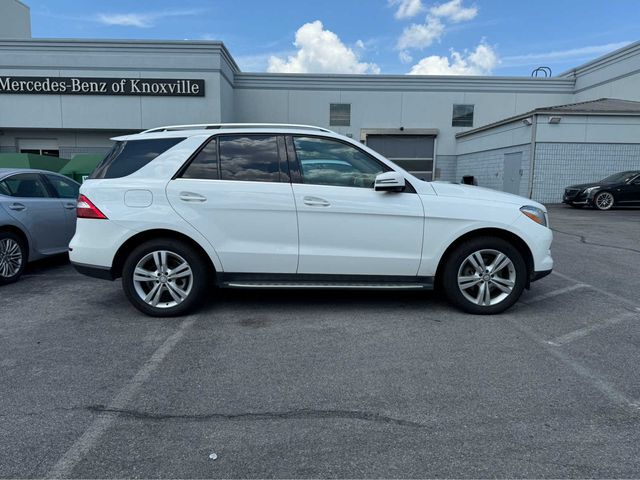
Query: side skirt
339, 282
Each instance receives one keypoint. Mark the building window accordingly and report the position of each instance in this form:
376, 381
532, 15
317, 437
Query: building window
462, 116
46, 152
340, 114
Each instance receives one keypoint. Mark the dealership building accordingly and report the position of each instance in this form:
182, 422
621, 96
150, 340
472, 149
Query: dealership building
527, 135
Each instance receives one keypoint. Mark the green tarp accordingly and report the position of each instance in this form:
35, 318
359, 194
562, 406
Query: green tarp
80, 166
30, 160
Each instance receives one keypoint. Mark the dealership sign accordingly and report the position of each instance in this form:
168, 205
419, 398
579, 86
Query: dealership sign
102, 86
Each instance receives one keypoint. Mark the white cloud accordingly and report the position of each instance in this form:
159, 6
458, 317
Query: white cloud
421, 35
555, 56
405, 57
480, 61
407, 8
141, 20
454, 11
126, 19
320, 51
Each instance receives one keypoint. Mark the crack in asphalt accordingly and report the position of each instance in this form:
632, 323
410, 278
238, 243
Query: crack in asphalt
584, 240
285, 415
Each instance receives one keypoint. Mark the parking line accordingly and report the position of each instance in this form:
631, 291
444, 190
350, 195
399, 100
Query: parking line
583, 332
555, 293
630, 304
608, 390
92, 435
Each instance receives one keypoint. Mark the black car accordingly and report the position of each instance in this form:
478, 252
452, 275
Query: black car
620, 189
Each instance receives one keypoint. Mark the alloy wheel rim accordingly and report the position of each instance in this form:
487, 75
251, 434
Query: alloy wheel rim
486, 277
163, 279
10, 257
604, 201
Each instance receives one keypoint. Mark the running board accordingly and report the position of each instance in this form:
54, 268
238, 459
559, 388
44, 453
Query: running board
313, 281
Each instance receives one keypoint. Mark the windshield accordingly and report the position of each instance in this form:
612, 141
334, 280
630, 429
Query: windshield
619, 177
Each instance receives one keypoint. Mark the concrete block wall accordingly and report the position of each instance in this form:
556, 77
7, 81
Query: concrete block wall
446, 168
559, 165
488, 167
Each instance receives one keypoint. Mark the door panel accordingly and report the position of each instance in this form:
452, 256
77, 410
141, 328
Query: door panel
252, 225
43, 216
67, 192
357, 231
512, 172
629, 194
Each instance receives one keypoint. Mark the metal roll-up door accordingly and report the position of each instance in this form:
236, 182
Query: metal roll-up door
414, 153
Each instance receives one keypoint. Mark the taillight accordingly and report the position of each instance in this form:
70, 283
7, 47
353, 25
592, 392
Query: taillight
86, 209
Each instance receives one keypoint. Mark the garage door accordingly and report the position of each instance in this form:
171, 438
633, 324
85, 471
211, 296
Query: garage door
414, 153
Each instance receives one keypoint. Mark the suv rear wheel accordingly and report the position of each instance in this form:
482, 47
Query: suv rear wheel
164, 278
13, 257
484, 275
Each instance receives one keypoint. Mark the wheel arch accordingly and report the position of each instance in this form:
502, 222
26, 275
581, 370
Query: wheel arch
510, 237
21, 234
142, 237
610, 190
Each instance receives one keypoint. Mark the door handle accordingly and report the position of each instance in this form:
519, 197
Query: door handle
17, 206
192, 197
315, 202
70, 206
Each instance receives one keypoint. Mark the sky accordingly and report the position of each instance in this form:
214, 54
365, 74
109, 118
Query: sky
447, 37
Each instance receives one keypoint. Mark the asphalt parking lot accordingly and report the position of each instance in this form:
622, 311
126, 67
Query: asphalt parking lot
326, 384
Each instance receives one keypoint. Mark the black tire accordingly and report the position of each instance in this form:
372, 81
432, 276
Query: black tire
177, 252
600, 204
515, 273
12, 241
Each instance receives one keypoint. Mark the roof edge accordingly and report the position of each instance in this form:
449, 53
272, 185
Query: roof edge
553, 110
601, 60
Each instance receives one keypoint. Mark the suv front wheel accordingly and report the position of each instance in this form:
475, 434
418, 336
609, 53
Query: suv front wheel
484, 275
164, 278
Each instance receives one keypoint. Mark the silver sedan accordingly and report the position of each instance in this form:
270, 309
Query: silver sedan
37, 218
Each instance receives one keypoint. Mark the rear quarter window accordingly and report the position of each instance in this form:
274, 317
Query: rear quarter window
128, 157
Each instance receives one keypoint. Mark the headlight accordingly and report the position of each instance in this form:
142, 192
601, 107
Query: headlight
534, 213
590, 189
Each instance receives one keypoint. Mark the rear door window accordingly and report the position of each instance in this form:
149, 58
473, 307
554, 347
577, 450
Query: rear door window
251, 158
128, 157
63, 187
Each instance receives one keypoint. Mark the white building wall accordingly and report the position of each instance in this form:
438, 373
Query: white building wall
15, 19
615, 75
559, 165
115, 58
392, 102
488, 167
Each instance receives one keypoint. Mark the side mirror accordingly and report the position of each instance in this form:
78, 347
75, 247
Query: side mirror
389, 182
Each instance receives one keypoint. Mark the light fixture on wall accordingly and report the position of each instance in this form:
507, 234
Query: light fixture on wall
527, 121
554, 120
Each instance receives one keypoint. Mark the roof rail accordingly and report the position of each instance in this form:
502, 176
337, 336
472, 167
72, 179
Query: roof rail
218, 126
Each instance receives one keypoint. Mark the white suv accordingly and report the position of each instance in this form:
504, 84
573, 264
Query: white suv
176, 211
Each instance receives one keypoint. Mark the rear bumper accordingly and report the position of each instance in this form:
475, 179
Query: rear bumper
103, 273
540, 274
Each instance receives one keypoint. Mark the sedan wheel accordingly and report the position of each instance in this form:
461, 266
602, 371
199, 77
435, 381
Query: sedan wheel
603, 201
12, 258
